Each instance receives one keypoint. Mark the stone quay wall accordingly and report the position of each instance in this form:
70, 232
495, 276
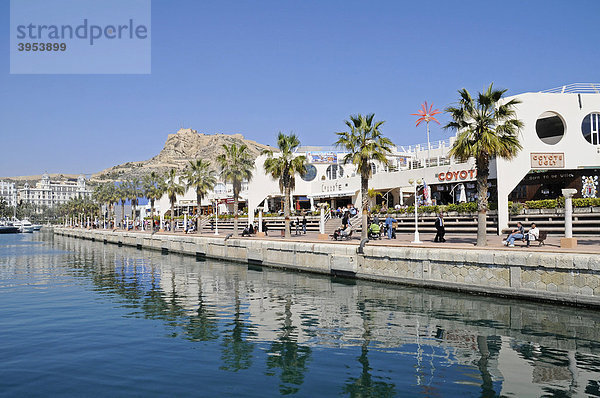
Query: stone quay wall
568, 278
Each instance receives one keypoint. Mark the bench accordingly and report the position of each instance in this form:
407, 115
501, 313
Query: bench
541, 238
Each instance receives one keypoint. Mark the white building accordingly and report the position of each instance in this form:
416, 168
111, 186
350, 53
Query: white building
8, 192
561, 148
52, 193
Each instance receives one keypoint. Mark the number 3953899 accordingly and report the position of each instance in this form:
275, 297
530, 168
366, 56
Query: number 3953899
42, 46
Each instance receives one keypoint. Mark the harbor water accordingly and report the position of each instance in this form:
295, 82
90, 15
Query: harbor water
81, 318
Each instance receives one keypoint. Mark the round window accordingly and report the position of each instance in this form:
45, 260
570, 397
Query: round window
550, 128
590, 128
311, 173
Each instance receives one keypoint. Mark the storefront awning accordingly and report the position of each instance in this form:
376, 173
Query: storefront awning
332, 194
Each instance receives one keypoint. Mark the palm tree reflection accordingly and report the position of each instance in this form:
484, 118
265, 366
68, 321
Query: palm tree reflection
286, 354
236, 351
363, 385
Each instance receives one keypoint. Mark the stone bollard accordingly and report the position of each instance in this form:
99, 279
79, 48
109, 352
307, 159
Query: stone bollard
568, 241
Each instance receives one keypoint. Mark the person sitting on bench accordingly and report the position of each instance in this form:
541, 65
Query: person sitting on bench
532, 234
342, 233
517, 233
248, 231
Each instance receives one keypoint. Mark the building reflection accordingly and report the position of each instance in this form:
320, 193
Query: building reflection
502, 347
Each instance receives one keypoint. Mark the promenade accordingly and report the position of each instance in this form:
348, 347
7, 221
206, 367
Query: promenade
585, 244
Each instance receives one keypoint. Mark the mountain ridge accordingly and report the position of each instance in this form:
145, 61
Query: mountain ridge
181, 147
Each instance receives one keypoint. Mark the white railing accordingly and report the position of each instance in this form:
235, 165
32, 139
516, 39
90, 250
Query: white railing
575, 88
423, 147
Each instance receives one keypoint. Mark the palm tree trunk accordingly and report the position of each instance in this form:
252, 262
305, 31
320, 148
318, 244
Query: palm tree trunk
483, 171
198, 226
122, 214
286, 211
235, 214
152, 214
172, 215
364, 189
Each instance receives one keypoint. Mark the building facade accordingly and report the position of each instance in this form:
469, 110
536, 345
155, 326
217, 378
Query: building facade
52, 193
561, 149
8, 192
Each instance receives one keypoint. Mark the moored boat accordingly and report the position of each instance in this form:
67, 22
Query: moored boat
24, 226
8, 229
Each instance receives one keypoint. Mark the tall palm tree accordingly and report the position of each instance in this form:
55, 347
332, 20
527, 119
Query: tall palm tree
153, 187
201, 178
487, 127
173, 188
364, 143
236, 165
122, 195
285, 167
134, 192
113, 198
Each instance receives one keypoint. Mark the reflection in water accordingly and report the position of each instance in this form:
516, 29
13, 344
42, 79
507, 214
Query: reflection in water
304, 334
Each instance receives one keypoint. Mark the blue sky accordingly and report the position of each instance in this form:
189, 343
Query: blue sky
257, 68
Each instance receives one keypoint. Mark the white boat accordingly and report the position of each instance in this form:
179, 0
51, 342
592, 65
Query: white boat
24, 226
37, 227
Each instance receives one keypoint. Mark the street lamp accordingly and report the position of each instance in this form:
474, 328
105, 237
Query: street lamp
216, 217
414, 184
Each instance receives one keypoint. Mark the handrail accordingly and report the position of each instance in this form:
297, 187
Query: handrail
327, 215
575, 88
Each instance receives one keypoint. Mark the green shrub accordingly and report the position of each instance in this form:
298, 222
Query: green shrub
583, 202
429, 209
468, 207
515, 208
541, 204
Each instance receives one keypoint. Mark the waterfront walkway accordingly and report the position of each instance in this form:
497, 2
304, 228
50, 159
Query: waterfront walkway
586, 244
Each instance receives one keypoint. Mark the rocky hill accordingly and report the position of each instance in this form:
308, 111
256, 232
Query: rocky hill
185, 145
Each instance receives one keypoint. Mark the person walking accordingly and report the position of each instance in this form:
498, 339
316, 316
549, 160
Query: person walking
440, 228
304, 224
389, 224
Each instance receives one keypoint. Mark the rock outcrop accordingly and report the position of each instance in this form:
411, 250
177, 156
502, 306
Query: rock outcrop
181, 147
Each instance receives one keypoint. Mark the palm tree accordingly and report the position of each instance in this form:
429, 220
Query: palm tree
173, 188
236, 166
285, 167
153, 187
487, 128
122, 195
364, 143
134, 192
198, 175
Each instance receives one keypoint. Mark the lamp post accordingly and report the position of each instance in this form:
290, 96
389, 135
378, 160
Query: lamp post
414, 184
216, 217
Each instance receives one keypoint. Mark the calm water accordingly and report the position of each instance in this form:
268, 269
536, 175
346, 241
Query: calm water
85, 319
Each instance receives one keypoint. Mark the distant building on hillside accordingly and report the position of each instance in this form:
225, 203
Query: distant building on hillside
8, 192
52, 193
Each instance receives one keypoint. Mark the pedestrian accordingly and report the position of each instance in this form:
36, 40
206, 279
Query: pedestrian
265, 228
440, 228
345, 219
389, 224
297, 225
304, 224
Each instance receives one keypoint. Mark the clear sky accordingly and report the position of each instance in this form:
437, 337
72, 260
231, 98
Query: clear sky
259, 67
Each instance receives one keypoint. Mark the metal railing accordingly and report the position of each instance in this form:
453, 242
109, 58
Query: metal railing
575, 88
